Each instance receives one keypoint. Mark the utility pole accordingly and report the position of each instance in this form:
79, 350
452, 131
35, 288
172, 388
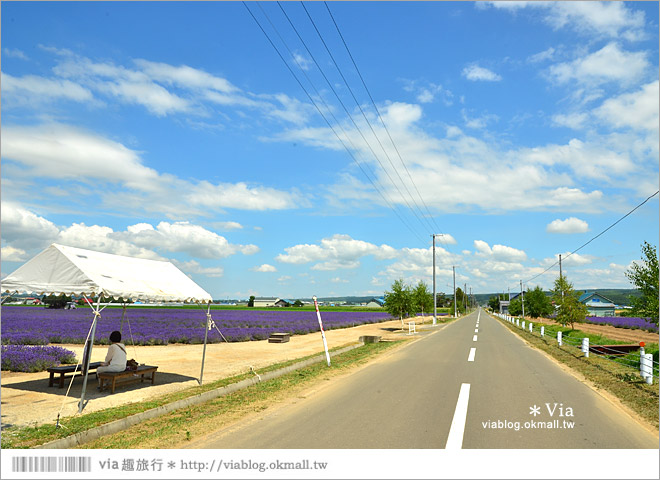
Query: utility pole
522, 294
453, 268
560, 279
471, 299
465, 295
435, 310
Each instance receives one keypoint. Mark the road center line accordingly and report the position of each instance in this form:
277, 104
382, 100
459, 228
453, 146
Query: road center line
474, 339
472, 353
476, 330
455, 438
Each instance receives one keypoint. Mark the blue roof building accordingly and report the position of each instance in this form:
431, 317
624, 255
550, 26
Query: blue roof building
597, 305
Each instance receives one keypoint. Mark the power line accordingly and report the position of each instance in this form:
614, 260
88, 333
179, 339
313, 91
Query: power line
595, 237
367, 121
326, 120
393, 182
380, 117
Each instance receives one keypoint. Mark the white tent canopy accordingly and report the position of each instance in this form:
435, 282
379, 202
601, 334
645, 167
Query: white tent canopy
75, 271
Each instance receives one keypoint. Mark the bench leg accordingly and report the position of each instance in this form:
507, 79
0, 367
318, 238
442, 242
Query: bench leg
114, 380
50, 380
153, 377
61, 380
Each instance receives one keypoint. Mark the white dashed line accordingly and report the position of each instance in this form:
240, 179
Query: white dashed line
455, 438
473, 351
476, 330
474, 339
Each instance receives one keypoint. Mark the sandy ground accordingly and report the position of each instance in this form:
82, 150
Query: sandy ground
28, 400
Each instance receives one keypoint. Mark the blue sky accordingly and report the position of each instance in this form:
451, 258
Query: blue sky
175, 131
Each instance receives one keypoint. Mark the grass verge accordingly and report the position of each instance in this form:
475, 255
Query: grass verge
621, 381
175, 427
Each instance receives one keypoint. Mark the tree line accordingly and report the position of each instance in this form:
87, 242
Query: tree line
404, 300
564, 301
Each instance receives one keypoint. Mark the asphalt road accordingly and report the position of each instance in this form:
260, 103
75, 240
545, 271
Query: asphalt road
471, 384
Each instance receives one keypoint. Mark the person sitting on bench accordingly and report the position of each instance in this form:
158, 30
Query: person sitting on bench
115, 360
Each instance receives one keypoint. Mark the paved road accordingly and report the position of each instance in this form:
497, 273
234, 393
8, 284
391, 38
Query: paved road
470, 384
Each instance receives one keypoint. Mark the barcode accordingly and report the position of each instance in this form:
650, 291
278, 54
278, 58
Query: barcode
51, 464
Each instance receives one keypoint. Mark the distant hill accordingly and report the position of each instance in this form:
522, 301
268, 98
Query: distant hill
620, 296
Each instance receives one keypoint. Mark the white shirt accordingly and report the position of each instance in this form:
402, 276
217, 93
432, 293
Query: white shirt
116, 355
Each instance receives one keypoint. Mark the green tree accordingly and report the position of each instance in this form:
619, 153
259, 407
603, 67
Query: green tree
515, 307
645, 277
251, 301
398, 301
494, 303
537, 303
297, 303
56, 301
460, 301
421, 298
570, 310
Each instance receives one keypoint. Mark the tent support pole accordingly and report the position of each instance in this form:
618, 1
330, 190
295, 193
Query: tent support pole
206, 335
121, 322
81, 404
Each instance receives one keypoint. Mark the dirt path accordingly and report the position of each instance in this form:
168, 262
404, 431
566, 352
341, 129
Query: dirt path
27, 399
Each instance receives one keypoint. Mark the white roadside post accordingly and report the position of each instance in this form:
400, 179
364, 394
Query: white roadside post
585, 346
542, 331
523, 327
325, 344
531, 326
647, 367
559, 338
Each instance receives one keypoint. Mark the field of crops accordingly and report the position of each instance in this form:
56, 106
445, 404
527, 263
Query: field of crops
624, 322
155, 326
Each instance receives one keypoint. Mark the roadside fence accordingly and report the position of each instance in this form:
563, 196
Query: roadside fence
643, 362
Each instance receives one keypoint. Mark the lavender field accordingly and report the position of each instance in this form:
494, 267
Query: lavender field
624, 322
41, 326
34, 358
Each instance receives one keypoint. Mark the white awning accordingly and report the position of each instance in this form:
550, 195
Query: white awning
75, 271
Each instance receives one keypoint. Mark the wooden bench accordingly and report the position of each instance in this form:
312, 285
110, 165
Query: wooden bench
62, 370
110, 378
279, 337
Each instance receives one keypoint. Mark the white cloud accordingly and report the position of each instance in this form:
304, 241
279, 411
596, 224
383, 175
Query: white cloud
546, 54
339, 280
338, 251
61, 151
264, 268
609, 64
637, 110
183, 237
228, 225
12, 254
24, 229
303, 62
479, 122
568, 226
185, 76
242, 196
476, 73
193, 266
14, 53
604, 19
30, 88
499, 253
23, 232
574, 120
284, 278
65, 152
